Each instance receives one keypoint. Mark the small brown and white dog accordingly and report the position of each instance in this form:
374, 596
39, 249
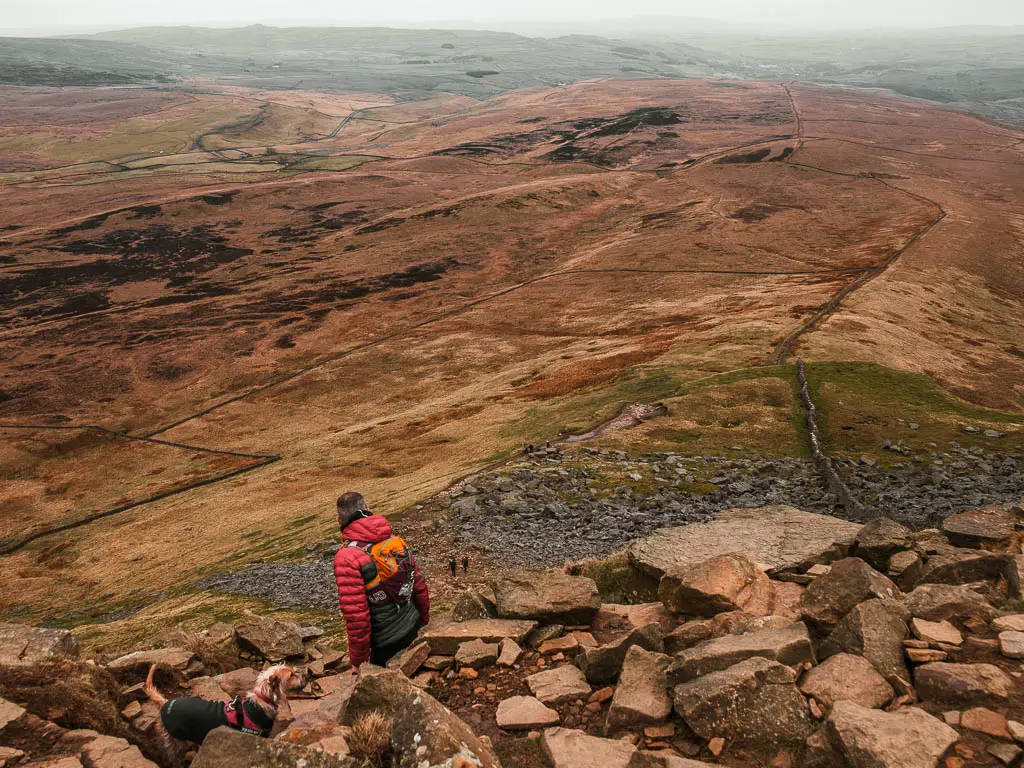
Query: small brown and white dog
262, 711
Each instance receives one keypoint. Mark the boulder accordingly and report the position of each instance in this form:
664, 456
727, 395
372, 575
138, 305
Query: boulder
21, 645
869, 738
776, 537
175, 658
445, 639
978, 527
272, 639
508, 652
850, 582
96, 749
964, 566
879, 540
602, 665
227, 748
553, 686
237, 682
56, 762
472, 605
567, 748
409, 660
547, 596
875, 630
755, 701
525, 713
948, 602
729, 582
374, 689
476, 654
790, 646
962, 683
425, 734
845, 677
732, 623
641, 697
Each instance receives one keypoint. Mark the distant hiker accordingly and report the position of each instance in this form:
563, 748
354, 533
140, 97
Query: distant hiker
453, 567
465, 564
382, 594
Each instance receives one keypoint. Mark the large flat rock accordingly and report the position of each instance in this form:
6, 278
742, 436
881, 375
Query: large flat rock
568, 748
549, 596
21, 645
445, 639
775, 538
790, 646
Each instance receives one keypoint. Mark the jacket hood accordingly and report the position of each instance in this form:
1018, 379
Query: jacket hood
368, 530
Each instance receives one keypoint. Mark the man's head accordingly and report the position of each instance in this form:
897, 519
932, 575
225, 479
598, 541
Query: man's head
351, 506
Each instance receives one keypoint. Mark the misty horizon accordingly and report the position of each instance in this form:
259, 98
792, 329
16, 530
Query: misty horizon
62, 17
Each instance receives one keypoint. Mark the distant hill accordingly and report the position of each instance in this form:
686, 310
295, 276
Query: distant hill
976, 68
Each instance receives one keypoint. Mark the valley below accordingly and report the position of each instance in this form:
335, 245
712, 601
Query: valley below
224, 305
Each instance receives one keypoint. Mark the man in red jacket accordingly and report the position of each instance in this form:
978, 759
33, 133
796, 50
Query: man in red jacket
382, 616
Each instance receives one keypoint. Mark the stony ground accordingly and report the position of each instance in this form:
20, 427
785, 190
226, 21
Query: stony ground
551, 507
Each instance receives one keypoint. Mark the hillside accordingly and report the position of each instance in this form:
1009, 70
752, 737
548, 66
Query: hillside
227, 307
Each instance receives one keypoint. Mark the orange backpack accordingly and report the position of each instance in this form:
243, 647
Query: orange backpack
396, 571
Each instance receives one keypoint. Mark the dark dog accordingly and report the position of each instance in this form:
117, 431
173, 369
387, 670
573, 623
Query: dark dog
190, 718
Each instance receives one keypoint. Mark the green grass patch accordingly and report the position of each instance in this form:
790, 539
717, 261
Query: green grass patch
862, 404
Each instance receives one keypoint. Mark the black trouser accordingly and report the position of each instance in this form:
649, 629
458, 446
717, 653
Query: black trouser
381, 655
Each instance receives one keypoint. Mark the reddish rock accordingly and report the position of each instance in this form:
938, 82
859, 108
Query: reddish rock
238, 682
985, 721
962, 683
553, 686
728, 582
566, 748
935, 632
445, 639
408, 661
850, 582
790, 646
641, 697
845, 677
524, 713
476, 654
869, 738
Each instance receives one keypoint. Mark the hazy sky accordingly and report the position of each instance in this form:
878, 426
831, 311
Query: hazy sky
59, 15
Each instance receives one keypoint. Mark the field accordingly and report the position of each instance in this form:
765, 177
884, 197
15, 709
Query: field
256, 299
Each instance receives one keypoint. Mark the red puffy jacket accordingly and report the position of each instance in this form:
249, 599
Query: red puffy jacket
352, 589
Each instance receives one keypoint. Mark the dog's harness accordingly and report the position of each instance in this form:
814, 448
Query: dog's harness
247, 719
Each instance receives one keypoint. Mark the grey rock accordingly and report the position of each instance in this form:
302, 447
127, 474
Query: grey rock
755, 701
790, 646
875, 630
